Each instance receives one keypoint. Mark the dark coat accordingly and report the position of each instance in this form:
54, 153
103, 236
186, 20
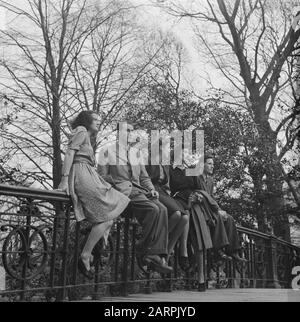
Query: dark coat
183, 187
207, 186
163, 187
154, 173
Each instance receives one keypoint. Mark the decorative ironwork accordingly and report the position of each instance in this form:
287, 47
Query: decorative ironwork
40, 243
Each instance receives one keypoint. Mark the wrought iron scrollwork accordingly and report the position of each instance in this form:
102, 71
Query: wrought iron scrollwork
24, 251
41, 242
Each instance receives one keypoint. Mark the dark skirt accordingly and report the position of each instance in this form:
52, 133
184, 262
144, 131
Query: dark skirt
170, 203
199, 228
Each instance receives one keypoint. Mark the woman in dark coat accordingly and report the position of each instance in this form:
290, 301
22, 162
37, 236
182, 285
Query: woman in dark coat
178, 218
185, 189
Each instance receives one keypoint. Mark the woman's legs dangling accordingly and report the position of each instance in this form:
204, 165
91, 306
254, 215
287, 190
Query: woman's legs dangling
200, 267
95, 235
178, 229
184, 237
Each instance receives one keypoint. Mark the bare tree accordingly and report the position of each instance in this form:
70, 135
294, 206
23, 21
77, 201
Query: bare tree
36, 74
72, 55
165, 86
108, 74
250, 43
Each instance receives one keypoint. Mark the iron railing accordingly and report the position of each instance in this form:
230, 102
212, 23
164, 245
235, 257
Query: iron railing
40, 243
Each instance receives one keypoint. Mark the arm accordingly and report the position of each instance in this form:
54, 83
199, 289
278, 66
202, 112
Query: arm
75, 143
167, 186
68, 162
145, 180
179, 184
211, 187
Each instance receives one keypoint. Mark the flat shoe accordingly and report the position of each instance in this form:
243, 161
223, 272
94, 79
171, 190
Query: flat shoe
82, 269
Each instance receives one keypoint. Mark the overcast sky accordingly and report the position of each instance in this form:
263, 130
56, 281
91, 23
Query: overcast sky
154, 17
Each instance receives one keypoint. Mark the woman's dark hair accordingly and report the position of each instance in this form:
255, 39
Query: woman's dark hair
84, 118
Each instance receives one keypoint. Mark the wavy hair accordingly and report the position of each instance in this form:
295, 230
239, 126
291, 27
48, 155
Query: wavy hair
84, 118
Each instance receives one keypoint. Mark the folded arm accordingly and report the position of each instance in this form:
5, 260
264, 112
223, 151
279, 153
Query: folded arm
145, 180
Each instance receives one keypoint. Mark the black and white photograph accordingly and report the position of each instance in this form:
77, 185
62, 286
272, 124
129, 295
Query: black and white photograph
149, 154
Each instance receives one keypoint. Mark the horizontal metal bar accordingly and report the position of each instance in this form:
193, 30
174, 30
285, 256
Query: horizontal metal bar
256, 233
120, 247
37, 194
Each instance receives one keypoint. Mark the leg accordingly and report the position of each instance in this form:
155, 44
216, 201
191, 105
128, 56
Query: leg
183, 251
219, 235
163, 217
95, 235
154, 222
234, 240
184, 237
152, 215
200, 266
174, 219
175, 234
198, 251
233, 237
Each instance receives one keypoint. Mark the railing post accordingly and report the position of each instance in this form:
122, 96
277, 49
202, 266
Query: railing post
26, 233
64, 252
117, 253
272, 269
133, 251
125, 256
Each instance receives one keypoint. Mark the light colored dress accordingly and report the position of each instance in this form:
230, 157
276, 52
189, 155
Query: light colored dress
93, 198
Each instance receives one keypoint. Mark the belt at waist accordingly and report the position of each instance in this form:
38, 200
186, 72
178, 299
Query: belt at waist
84, 160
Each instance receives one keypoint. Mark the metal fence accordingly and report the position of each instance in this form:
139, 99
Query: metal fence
40, 243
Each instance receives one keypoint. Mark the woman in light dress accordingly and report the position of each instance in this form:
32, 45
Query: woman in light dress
93, 198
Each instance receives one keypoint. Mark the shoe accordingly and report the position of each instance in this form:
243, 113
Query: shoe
158, 265
236, 257
82, 269
184, 263
223, 256
202, 287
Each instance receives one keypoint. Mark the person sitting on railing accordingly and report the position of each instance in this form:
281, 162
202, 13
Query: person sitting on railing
178, 217
133, 180
93, 198
184, 189
223, 221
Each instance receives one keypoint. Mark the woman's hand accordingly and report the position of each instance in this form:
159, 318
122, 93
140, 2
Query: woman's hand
192, 198
168, 192
199, 197
223, 214
64, 185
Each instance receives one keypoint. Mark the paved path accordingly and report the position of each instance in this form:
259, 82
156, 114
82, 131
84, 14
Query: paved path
223, 295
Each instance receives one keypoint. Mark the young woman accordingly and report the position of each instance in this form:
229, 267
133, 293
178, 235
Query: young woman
186, 190
177, 216
93, 198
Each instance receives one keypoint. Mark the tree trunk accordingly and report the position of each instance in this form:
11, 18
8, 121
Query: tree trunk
276, 203
274, 199
271, 170
56, 141
256, 174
